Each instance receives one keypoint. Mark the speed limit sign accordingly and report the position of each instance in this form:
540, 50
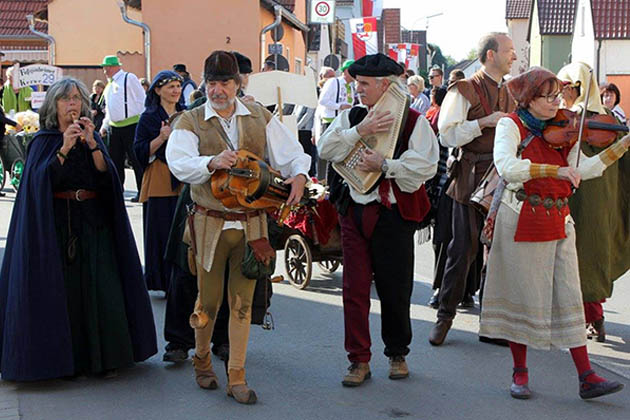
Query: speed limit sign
322, 11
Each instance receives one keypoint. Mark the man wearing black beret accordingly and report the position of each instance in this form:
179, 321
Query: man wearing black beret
378, 227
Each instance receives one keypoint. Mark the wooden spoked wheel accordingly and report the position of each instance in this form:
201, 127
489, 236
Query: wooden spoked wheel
329, 266
298, 261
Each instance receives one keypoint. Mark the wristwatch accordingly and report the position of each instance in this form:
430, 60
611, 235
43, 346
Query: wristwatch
384, 166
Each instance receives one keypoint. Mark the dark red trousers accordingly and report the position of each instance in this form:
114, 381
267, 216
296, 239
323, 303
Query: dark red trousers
377, 245
593, 311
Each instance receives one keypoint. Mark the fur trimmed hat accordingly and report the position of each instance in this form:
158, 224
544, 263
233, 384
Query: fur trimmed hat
220, 66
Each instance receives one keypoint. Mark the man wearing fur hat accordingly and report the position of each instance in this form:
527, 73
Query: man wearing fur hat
378, 227
205, 139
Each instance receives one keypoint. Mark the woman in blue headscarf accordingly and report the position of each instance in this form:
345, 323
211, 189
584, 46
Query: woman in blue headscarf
159, 188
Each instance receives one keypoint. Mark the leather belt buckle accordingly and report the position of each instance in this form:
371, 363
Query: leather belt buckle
77, 194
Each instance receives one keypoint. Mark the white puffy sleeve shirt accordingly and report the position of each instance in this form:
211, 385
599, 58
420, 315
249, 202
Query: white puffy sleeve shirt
409, 171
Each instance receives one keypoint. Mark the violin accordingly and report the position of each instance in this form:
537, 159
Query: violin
599, 130
251, 183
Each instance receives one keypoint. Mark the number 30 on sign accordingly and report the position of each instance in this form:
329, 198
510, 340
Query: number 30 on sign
322, 11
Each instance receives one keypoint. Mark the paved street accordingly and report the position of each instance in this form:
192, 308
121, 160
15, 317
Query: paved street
296, 369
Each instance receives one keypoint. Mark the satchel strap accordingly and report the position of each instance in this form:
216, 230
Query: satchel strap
524, 144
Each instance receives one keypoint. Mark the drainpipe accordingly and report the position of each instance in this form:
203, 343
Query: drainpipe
278, 10
599, 50
147, 37
51, 41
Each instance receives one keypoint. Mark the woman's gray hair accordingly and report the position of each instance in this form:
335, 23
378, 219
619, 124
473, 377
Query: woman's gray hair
416, 80
48, 118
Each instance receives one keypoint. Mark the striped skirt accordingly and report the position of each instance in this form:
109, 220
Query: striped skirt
532, 290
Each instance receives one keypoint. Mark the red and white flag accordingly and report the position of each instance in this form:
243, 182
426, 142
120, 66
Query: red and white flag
364, 36
405, 53
372, 8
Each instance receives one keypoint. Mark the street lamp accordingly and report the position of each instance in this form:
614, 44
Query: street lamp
427, 18
426, 29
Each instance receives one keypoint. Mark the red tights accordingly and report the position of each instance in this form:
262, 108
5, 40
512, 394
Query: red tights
579, 355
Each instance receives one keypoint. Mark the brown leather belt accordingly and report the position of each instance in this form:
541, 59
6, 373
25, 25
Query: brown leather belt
78, 195
537, 200
229, 216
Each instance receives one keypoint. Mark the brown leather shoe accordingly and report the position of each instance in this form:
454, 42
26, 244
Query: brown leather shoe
398, 368
237, 387
439, 331
358, 372
204, 374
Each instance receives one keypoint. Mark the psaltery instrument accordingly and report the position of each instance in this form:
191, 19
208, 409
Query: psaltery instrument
396, 101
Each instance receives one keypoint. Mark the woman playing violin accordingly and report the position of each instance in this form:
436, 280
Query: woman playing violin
532, 291
602, 237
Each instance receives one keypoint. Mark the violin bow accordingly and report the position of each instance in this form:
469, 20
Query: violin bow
583, 116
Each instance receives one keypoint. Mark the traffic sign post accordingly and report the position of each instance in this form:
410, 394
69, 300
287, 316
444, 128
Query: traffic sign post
274, 49
322, 11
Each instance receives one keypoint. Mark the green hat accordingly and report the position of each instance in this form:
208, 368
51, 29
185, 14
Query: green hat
346, 64
110, 60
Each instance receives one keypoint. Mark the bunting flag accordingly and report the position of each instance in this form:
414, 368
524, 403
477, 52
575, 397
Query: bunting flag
364, 36
372, 8
406, 53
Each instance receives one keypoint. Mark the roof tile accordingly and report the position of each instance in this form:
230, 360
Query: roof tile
556, 17
13, 17
518, 9
611, 19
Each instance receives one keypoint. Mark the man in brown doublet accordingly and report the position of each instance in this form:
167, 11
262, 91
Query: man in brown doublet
468, 116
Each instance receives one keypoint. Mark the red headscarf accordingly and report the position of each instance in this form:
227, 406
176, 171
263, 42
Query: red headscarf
525, 86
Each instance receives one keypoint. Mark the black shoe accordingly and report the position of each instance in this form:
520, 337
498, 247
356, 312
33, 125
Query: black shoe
222, 351
590, 390
135, 199
175, 355
468, 301
434, 302
496, 341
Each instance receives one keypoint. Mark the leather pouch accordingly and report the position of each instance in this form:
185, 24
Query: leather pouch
259, 261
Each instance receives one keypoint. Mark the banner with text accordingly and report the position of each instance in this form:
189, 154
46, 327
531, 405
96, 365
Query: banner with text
364, 36
406, 53
36, 74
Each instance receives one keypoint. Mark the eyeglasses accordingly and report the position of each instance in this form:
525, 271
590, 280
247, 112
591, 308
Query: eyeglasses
76, 98
552, 97
432, 76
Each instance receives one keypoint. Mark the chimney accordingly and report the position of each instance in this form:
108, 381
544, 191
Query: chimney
391, 27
